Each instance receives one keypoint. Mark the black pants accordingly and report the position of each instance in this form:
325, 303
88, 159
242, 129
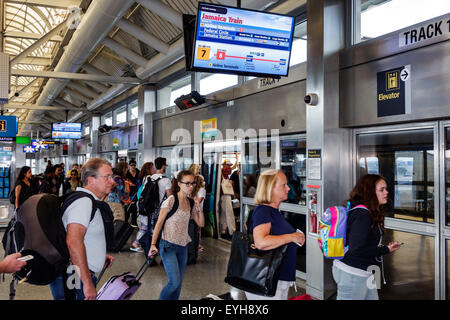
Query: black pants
131, 210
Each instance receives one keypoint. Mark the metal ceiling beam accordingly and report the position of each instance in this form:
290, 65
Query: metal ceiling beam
67, 104
125, 52
24, 89
38, 43
63, 4
29, 35
164, 11
77, 95
84, 90
97, 86
143, 35
89, 68
74, 76
38, 61
36, 107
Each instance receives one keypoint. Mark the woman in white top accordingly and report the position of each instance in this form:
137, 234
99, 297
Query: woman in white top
199, 193
175, 236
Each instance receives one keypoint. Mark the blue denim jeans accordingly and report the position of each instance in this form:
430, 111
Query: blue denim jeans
57, 288
174, 258
352, 287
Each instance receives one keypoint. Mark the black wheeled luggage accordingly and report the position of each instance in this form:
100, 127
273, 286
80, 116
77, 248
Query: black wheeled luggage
122, 232
193, 245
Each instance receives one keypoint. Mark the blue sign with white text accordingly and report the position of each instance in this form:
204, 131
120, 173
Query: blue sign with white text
8, 126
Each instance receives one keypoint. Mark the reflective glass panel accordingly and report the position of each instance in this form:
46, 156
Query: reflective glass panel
258, 156
406, 160
447, 176
298, 221
447, 252
409, 271
215, 82
379, 17
293, 164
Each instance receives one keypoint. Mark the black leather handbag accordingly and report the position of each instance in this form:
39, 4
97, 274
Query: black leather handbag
252, 270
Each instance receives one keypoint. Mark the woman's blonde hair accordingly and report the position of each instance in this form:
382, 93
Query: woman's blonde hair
194, 168
266, 183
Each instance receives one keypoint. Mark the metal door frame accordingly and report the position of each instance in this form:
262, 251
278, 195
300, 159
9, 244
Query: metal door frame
444, 229
288, 207
420, 228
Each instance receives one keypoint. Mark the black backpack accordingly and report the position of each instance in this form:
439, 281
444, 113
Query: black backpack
148, 200
12, 196
39, 219
146, 240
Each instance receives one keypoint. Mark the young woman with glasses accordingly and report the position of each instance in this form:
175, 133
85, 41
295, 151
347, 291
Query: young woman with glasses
174, 233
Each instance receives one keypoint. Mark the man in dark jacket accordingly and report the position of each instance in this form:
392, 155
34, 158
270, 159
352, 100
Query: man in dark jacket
51, 183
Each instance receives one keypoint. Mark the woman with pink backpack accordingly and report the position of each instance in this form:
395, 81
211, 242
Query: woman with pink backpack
365, 228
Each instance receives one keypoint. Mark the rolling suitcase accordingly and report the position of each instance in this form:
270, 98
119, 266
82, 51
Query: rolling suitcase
122, 232
123, 286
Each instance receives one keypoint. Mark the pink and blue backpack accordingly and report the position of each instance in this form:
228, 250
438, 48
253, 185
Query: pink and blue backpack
333, 231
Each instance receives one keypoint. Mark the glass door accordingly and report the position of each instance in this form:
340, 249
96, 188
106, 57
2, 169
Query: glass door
445, 209
407, 156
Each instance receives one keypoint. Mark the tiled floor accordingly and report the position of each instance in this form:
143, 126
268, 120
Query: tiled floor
204, 277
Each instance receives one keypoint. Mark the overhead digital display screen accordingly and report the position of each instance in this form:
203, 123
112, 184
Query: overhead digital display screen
245, 42
66, 130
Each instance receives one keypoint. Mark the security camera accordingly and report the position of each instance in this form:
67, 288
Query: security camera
16, 94
312, 99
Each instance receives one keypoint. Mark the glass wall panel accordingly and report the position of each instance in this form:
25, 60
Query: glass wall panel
258, 156
107, 119
86, 128
293, 164
379, 17
166, 96
298, 221
170, 161
406, 160
447, 277
215, 82
409, 272
120, 115
447, 176
133, 109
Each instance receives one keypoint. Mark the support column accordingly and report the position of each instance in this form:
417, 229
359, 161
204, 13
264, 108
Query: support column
146, 108
95, 124
329, 173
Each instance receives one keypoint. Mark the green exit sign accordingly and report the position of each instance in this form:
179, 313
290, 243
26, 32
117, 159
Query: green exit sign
23, 140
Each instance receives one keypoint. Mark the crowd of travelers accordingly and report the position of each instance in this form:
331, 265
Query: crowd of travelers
181, 198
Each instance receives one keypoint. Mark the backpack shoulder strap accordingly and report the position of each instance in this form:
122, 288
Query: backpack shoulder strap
71, 197
191, 202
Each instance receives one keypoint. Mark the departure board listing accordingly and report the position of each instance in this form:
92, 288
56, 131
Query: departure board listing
242, 40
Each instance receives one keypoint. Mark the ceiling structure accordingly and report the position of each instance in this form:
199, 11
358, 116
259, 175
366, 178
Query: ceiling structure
69, 57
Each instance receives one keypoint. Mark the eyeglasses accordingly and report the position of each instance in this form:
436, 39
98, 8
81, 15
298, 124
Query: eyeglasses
193, 184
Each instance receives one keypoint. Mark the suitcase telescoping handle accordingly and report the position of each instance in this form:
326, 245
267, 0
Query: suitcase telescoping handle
103, 270
144, 267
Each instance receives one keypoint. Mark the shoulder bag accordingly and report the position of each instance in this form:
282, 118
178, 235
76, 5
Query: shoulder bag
252, 270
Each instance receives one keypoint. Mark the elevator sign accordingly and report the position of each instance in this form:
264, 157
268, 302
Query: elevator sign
394, 91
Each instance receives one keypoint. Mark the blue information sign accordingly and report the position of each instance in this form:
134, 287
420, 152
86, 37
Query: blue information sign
8, 126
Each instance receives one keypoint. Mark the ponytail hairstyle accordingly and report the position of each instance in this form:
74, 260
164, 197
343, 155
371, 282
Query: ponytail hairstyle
364, 192
180, 176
